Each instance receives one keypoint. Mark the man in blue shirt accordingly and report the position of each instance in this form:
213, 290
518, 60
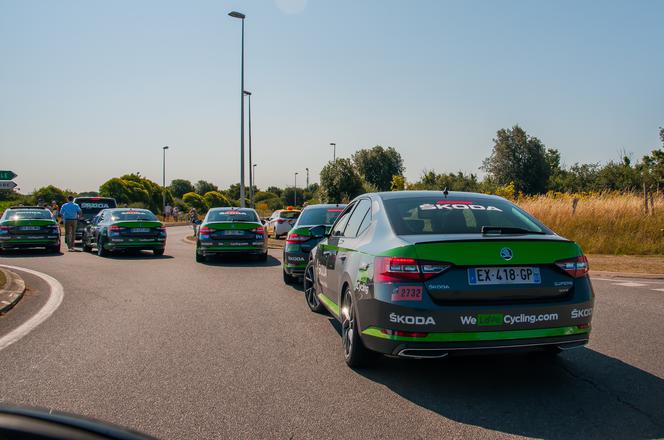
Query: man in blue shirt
70, 212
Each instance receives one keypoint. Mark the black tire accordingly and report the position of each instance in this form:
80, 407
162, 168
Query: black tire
158, 252
262, 257
355, 353
200, 258
310, 293
55, 249
289, 279
100, 247
86, 246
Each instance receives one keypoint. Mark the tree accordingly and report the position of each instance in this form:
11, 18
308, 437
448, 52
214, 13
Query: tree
519, 158
215, 199
377, 165
194, 200
274, 190
263, 195
398, 183
180, 187
89, 194
46, 194
339, 181
203, 187
132, 189
289, 198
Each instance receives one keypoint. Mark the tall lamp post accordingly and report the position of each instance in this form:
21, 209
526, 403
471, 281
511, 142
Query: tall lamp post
254, 172
307, 187
251, 180
241, 16
334, 151
295, 192
163, 180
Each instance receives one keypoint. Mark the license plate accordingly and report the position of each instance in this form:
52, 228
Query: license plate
503, 275
233, 232
29, 228
140, 229
407, 293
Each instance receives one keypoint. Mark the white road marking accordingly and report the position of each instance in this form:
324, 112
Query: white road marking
659, 290
53, 302
630, 284
615, 280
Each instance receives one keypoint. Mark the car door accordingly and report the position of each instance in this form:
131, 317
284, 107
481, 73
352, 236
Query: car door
91, 230
329, 251
270, 222
345, 247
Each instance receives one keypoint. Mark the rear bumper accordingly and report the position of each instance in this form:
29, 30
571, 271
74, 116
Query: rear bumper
114, 244
295, 262
28, 243
221, 250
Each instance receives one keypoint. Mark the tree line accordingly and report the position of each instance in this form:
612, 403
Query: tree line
518, 163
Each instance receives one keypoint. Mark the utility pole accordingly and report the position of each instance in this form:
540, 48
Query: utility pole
307, 178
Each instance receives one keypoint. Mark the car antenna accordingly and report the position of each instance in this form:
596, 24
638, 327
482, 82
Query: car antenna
445, 192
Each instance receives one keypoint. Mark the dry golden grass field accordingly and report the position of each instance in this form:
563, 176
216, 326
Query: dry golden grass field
609, 223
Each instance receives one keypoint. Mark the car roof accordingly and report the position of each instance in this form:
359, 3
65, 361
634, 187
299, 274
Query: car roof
451, 195
326, 205
227, 208
126, 209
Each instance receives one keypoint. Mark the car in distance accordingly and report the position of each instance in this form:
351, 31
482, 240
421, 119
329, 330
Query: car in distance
123, 229
90, 207
29, 227
422, 274
231, 231
310, 228
282, 221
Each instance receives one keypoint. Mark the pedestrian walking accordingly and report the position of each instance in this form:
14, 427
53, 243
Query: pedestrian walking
70, 212
193, 218
55, 209
176, 213
168, 211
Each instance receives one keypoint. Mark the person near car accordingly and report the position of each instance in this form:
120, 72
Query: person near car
70, 212
55, 209
168, 211
193, 219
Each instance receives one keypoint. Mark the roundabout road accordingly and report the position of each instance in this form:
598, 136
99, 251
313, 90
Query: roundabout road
183, 350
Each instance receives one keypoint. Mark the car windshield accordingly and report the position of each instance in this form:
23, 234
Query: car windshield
232, 215
92, 206
29, 214
289, 214
133, 215
320, 215
461, 215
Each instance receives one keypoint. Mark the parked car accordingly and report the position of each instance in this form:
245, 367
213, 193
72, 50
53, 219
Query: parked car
282, 221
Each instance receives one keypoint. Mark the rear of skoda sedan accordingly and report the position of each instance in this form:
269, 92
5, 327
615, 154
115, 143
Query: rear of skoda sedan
439, 273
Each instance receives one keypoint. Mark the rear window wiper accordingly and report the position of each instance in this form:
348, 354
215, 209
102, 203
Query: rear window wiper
508, 230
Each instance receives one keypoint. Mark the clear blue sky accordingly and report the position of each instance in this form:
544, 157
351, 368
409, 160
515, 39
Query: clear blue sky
90, 89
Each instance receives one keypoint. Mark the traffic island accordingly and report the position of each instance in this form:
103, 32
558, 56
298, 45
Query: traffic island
11, 291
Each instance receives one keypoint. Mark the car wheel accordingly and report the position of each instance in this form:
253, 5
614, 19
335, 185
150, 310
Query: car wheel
200, 258
288, 279
310, 293
86, 246
55, 249
355, 353
100, 247
262, 257
158, 252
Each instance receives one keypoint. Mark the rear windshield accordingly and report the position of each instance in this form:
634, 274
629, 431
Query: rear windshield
289, 214
319, 216
94, 204
28, 214
133, 215
233, 215
431, 215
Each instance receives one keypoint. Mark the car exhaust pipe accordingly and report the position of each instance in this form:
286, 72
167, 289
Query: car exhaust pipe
422, 353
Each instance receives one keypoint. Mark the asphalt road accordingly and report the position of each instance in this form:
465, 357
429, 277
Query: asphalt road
181, 350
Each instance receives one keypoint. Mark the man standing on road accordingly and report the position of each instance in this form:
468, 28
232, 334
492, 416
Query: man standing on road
70, 213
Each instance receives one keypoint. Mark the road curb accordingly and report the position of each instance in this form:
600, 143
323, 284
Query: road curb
645, 276
12, 291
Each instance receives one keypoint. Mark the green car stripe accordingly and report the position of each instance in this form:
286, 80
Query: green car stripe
28, 222
481, 336
487, 252
329, 303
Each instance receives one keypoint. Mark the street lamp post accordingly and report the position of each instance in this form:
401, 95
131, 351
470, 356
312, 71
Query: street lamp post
334, 153
241, 16
307, 187
163, 180
251, 180
295, 192
254, 172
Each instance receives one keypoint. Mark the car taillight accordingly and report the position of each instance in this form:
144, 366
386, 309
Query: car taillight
204, 230
391, 269
161, 230
258, 230
5, 229
574, 267
296, 238
386, 331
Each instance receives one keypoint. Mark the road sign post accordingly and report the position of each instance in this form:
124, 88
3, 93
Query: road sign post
7, 175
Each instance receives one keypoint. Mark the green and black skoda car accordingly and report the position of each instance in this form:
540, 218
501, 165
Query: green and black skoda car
311, 227
122, 229
29, 227
231, 231
422, 274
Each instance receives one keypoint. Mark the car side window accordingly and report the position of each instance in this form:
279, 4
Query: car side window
365, 223
340, 225
353, 226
